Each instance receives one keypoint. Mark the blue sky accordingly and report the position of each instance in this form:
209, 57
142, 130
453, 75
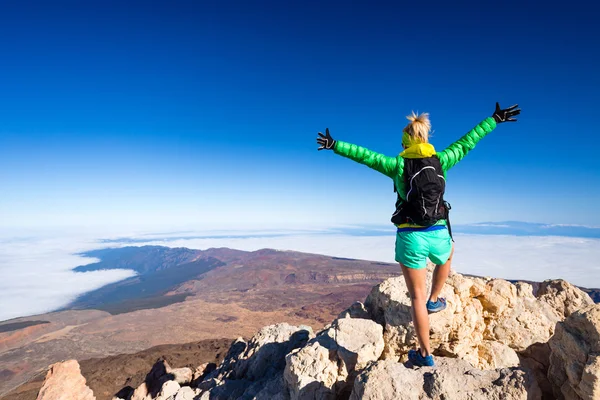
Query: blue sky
197, 113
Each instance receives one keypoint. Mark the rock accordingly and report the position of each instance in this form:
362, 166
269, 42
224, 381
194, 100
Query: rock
563, 297
492, 354
536, 358
479, 313
186, 393
201, 371
326, 367
311, 374
168, 390
124, 394
266, 351
255, 369
141, 392
575, 347
156, 378
356, 310
65, 382
183, 376
450, 379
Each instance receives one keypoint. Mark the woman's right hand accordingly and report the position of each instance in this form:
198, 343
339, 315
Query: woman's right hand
504, 115
326, 141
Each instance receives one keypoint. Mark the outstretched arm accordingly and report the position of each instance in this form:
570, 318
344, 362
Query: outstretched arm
379, 162
459, 149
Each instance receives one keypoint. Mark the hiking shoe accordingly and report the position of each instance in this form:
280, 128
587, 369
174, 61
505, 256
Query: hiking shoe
436, 306
418, 360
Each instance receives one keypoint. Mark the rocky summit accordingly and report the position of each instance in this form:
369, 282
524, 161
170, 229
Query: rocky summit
495, 340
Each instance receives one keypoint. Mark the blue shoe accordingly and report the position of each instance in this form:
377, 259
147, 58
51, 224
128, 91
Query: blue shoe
418, 360
436, 306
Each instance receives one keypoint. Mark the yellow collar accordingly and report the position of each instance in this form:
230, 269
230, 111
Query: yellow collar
420, 150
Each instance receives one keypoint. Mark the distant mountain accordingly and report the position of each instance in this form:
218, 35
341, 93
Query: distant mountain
528, 229
142, 259
146, 290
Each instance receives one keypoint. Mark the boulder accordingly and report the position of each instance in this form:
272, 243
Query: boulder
141, 392
356, 310
327, 365
563, 297
201, 371
487, 321
254, 370
575, 356
186, 393
450, 379
168, 390
183, 376
65, 382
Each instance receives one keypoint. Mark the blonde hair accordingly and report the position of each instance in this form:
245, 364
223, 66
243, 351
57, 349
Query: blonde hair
419, 127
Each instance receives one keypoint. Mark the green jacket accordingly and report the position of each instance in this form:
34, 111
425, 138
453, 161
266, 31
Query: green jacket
394, 166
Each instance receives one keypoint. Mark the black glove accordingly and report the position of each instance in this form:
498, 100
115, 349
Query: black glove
506, 114
326, 141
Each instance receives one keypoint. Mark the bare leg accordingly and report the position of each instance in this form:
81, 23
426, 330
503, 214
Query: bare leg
440, 274
415, 281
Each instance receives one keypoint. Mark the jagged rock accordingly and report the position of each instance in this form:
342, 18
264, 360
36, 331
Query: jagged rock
183, 376
253, 370
326, 367
186, 393
124, 394
65, 382
356, 310
536, 358
563, 297
203, 370
450, 379
168, 390
156, 378
479, 312
141, 392
266, 351
575, 356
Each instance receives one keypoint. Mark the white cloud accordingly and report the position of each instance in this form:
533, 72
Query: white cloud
512, 257
37, 277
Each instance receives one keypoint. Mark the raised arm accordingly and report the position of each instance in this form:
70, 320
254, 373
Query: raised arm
459, 149
379, 162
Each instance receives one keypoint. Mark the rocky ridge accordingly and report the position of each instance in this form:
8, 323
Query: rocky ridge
496, 340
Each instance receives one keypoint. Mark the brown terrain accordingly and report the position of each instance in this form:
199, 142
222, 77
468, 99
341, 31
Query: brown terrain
107, 376
240, 293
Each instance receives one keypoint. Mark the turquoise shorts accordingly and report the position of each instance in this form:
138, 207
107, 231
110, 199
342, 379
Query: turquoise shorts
413, 248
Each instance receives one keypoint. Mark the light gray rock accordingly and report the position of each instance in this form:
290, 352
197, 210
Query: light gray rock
563, 297
186, 393
574, 359
326, 367
183, 376
450, 379
486, 323
254, 370
356, 310
168, 391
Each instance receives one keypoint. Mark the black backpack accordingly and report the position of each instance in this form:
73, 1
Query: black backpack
425, 186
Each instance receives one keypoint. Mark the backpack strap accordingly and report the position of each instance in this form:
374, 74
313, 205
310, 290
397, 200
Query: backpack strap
448, 208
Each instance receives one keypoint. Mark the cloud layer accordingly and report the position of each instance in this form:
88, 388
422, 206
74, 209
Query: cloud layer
37, 277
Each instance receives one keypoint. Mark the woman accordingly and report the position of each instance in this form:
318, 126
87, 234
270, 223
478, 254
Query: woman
421, 217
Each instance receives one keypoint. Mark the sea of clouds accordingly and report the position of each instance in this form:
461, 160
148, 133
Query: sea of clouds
37, 276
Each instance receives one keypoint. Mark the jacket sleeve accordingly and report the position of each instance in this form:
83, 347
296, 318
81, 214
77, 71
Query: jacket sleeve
379, 162
457, 150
